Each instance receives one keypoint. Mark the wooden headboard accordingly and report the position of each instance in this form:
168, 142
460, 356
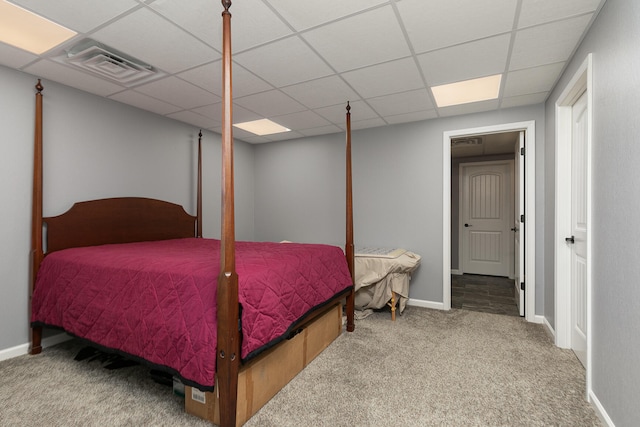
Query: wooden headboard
102, 221
118, 220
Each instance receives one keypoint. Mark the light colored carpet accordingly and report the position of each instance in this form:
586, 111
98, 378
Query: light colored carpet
429, 368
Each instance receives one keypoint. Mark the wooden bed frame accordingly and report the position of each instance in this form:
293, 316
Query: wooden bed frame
129, 219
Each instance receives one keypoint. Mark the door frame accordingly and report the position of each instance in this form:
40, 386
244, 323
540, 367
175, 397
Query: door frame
579, 83
461, 255
529, 127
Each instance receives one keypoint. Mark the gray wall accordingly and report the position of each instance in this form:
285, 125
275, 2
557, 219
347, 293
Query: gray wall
397, 179
613, 40
95, 148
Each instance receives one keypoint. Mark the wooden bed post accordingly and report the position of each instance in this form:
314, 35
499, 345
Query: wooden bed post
349, 250
199, 189
36, 215
228, 354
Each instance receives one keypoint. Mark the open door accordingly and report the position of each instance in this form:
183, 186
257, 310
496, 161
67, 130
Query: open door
578, 239
519, 225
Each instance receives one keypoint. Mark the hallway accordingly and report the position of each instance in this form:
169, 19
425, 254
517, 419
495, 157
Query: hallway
489, 294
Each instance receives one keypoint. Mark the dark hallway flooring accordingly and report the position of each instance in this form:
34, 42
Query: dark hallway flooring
489, 294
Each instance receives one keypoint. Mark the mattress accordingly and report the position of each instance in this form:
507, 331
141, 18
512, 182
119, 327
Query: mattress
156, 301
373, 252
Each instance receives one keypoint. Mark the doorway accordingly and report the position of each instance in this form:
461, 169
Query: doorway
528, 178
485, 195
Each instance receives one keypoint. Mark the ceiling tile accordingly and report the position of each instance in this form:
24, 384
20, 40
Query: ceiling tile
46, 69
402, 103
152, 39
546, 44
178, 92
471, 108
304, 14
252, 23
322, 130
391, 77
284, 62
411, 117
321, 92
437, 24
301, 120
377, 28
532, 80
283, 136
14, 57
192, 16
534, 12
78, 15
241, 114
270, 104
214, 112
466, 61
209, 77
365, 124
193, 118
336, 114
520, 100
254, 139
145, 102
244, 135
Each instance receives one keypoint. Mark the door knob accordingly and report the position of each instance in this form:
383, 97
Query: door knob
467, 225
514, 229
571, 239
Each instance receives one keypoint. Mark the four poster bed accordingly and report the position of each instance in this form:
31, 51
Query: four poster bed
134, 276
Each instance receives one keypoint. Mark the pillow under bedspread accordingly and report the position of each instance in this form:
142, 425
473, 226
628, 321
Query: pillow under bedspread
157, 300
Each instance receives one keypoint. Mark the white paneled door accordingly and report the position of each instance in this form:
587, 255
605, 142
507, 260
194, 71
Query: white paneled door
486, 213
578, 238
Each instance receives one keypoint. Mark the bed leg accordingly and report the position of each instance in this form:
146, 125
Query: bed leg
351, 326
36, 340
393, 306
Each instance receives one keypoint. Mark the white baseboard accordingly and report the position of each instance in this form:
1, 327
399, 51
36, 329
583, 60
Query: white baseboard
538, 318
550, 329
12, 352
457, 272
21, 350
602, 414
425, 304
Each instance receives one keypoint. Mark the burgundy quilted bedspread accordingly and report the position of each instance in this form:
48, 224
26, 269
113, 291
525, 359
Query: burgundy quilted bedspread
157, 300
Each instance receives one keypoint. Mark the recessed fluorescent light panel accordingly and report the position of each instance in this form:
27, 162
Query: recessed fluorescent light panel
467, 91
28, 31
262, 127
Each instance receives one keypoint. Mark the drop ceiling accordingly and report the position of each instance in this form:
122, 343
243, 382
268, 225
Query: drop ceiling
299, 62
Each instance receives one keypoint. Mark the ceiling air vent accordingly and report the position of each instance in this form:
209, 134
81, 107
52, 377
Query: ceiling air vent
109, 63
466, 142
